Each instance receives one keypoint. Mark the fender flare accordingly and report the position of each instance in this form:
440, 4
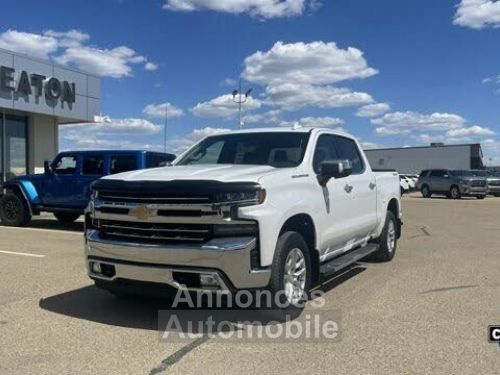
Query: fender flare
27, 190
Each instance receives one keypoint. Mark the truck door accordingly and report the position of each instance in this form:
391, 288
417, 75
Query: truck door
58, 188
360, 189
334, 227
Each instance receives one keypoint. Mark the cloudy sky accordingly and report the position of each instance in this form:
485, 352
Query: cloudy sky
393, 73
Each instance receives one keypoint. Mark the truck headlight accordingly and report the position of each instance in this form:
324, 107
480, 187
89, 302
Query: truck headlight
242, 198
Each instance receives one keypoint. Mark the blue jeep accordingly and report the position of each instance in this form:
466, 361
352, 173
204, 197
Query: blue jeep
64, 188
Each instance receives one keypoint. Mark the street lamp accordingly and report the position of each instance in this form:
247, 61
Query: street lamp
240, 98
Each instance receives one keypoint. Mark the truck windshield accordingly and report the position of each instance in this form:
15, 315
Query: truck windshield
280, 150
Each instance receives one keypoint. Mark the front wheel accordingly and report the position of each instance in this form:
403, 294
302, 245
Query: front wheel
66, 217
454, 192
291, 272
14, 211
481, 196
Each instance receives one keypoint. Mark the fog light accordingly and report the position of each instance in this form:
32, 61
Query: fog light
95, 267
209, 280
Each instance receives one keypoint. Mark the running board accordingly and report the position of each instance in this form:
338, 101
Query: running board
346, 260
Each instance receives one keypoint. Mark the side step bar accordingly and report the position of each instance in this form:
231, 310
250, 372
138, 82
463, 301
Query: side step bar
346, 260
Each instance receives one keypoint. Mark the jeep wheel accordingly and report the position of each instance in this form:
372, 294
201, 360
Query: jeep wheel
426, 192
66, 217
454, 192
14, 211
291, 272
388, 240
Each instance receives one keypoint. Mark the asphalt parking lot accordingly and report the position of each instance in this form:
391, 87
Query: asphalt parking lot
425, 312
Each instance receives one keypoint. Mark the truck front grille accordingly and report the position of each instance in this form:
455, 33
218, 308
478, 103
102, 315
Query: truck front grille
154, 232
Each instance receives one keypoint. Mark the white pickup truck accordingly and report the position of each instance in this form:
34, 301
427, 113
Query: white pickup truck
274, 208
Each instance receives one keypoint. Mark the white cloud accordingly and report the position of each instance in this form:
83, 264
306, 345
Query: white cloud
71, 38
107, 125
224, 107
313, 63
271, 116
415, 121
150, 66
478, 14
468, 132
159, 111
383, 131
256, 8
318, 122
31, 44
179, 144
292, 96
70, 48
116, 62
373, 110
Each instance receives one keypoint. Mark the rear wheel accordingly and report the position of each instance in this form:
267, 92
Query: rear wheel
66, 217
388, 240
426, 192
14, 211
481, 196
454, 192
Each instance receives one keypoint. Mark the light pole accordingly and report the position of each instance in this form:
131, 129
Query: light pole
240, 98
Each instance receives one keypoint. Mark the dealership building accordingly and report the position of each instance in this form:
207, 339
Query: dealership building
412, 160
36, 96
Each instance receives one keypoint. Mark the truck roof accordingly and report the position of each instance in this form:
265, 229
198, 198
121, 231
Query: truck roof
287, 129
114, 152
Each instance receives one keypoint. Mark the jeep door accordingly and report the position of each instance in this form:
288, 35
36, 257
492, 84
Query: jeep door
58, 188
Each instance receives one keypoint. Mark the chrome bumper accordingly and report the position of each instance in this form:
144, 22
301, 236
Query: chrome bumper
474, 190
225, 259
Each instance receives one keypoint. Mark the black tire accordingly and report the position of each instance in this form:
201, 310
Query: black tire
426, 191
481, 196
14, 210
386, 252
287, 242
497, 195
454, 192
66, 217
402, 191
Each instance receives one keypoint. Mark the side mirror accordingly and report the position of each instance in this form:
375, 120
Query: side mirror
333, 169
46, 167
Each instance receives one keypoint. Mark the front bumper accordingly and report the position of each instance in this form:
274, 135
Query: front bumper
494, 189
226, 260
473, 190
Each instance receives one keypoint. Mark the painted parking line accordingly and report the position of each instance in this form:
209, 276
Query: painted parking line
22, 254
43, 230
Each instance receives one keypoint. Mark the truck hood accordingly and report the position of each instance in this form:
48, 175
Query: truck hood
212, 172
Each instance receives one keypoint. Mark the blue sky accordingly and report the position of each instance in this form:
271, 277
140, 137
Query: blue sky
393, 73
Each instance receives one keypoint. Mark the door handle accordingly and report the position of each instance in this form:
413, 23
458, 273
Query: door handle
372, 186
348, 188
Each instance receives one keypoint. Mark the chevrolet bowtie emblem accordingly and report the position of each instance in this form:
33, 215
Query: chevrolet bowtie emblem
142, 212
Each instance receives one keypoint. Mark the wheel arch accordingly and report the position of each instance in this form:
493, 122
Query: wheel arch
303, 224
25, 190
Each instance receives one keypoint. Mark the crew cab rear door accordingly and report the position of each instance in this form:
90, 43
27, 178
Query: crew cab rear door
92, 168
360, 188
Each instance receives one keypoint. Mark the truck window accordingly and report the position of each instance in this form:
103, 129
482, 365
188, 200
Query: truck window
123, 163
93, 165
280, 150
65, 165
325, 150
347, 149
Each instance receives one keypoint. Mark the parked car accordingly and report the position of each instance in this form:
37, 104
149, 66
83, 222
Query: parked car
410, 180
493, 180
64, 188
403, 185
453, 184
264, 208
